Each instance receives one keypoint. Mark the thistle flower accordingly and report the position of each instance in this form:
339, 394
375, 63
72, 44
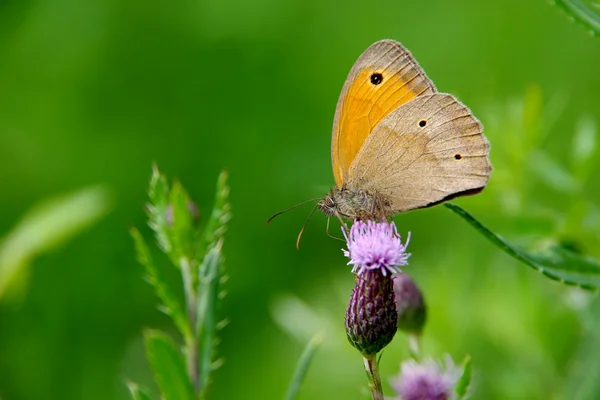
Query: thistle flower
375, 245
426, 381
375, 251
410, 305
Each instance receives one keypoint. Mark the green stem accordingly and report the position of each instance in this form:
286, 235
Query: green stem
372, 370
191, 341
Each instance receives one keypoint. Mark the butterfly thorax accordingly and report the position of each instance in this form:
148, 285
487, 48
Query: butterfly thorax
354, 203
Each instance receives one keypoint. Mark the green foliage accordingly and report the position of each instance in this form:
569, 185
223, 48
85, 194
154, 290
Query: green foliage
169, 367
302, 367
217, 222
556, 263
49, 224
209, 294
170, 304
197, 253
462, 386
137, 393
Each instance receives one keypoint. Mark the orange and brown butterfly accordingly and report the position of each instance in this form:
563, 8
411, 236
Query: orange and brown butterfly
398, 144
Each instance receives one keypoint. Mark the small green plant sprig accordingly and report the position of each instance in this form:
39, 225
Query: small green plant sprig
183, 372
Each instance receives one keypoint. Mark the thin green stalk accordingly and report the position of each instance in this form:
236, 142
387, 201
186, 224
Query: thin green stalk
191, 340
302, 367
372, 370
206, 326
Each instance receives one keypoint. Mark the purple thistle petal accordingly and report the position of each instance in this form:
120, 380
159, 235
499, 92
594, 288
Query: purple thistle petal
426, 381
375, 245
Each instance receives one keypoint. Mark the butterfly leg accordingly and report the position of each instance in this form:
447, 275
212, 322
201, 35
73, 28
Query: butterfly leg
329, 234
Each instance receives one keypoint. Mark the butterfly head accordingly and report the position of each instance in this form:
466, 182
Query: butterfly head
328, 205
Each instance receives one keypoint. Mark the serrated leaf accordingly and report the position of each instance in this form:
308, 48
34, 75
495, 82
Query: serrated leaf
462, 386
138, 393
557, 264
170, 303
169, 367
158, 192
208, 298
302, 367
584, 12
47, 225
181, 224
220, 215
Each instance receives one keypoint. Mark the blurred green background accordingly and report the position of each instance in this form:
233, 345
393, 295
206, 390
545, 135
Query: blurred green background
94, 92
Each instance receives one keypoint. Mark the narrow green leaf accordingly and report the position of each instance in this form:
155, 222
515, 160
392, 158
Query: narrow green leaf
208, 297
584, 12
47, 225
168, 366
557, 264
137, 393
170, 303
181, 223
462, 386
158, 192
221, 214
302, 366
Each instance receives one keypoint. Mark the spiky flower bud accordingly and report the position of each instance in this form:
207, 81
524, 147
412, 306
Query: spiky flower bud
371, 317
376, 251
412, 312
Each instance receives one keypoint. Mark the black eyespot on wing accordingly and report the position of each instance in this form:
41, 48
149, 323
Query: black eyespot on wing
376, 78
457, 156
422, 123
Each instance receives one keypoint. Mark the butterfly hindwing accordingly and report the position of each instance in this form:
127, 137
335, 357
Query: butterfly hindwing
424, 152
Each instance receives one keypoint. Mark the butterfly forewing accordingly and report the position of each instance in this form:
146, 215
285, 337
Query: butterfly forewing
426, 151
384, 77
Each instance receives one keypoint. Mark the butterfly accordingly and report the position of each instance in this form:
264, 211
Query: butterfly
397, 143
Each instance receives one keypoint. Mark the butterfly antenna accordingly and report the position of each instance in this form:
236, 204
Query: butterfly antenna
291, 208
304, 226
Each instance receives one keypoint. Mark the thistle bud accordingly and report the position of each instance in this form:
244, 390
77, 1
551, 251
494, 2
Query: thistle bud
376, 251
371, 316
412, 312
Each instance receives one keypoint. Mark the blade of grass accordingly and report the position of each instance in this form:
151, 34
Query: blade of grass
302, 367
47, 225
557, 264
